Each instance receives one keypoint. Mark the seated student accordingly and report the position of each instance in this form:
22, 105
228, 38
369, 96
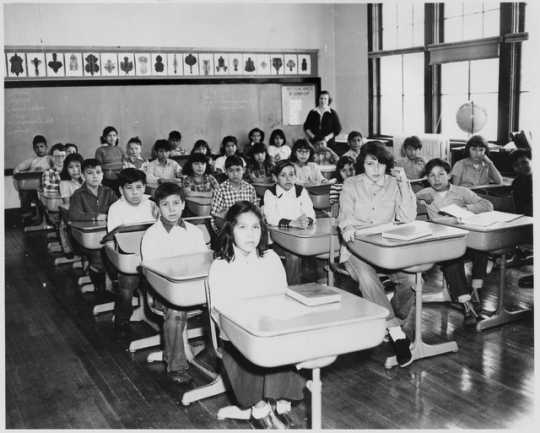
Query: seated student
344, 170
50, 179
133, 156
91, 202
256, 135
245, 268
133, 207
197, 180
233, 189
307, 172
110, 156
288, 205
323, 155
439, 194
522, 185
70, 181
71, 148
522, 194
171, 236
259, 168
278, 148
413, 164
476, 168
229, 147
379, 194
175, 138
40, 162
163, 169
355, 141
70, 176
201, 146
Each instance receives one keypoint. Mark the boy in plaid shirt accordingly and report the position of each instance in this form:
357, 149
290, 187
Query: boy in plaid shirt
233, 189
50, 179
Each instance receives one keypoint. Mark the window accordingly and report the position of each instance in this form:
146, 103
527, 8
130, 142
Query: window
470, 20
402, 25
528, 105
460, 51
402, 93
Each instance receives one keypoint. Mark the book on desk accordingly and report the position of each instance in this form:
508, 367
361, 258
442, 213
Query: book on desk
407, 232
483, 219
313, 294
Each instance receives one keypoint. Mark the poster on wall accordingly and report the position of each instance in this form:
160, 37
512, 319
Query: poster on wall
296, 101
175, 64
36, 64
16, 65
55, 64
109, 62
74, 64
159, 64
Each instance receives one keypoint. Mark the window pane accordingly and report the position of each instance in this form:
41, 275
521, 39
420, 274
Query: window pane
453, 9
413, 74
485, 76
391, 75
472, 26
389, 26
413, 114
418, 23
453, 29
491, 23
454, 78
471, 7
391, 114
449, 107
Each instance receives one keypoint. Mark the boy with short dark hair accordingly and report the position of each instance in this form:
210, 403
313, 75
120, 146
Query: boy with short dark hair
522, 184
50, 179
163, 169
233, 189
91, 202
39, 162
288, 205
133, 156
133, 207
171, 236
413, 164
175, 138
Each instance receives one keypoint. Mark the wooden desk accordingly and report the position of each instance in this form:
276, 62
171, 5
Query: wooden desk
311, 336
314, 240
260, 188
414, 256
28, 180
497, 238
89, 233
180, 281
199, 206
320, 195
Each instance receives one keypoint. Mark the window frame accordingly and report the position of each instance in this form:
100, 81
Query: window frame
506, 47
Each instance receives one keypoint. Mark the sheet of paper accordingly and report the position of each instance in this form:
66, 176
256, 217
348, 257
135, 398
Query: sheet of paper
457, 211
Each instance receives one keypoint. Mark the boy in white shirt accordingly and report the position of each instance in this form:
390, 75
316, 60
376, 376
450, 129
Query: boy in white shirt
288, 205
133, 207
171, 236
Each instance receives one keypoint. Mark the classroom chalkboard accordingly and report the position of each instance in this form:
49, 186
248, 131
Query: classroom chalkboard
78, 114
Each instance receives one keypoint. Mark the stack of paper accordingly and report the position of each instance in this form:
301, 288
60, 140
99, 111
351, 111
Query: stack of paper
407, 232
313, 294
483, 219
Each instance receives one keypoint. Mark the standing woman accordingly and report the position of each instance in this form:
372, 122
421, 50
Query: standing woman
322, 123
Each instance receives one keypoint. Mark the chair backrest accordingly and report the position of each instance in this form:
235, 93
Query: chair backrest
129, 243
213, 331
433, 146
202, 223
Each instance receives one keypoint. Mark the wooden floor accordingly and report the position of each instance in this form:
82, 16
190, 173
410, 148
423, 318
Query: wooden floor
64, 368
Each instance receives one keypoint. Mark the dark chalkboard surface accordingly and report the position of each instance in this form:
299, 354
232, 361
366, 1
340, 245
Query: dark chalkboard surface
78, 114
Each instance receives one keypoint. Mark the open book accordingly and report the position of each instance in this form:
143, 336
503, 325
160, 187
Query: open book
483, 219
407, 232
313, 294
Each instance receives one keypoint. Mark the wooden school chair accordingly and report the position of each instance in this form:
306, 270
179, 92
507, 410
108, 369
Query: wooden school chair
320, 196
31, 181
123, 249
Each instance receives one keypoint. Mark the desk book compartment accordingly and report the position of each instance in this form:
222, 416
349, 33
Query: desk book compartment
313, 294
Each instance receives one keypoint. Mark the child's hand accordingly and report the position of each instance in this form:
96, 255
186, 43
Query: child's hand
302, 222
101, 217
348, 233
399, 174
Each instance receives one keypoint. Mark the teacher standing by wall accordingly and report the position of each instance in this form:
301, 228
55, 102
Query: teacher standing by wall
322, 122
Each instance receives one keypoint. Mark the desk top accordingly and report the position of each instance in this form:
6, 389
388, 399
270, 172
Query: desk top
183, 267
89, 226
269, 316
507, 182
373, 235
322, 227
206, 201
28, 175
497, 227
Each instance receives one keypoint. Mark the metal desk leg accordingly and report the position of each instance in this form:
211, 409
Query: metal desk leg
501, 315
420, 349
41, 226
315, 387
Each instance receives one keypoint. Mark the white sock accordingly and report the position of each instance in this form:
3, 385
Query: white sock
464, 298
260, 412
396, 333
283, 406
